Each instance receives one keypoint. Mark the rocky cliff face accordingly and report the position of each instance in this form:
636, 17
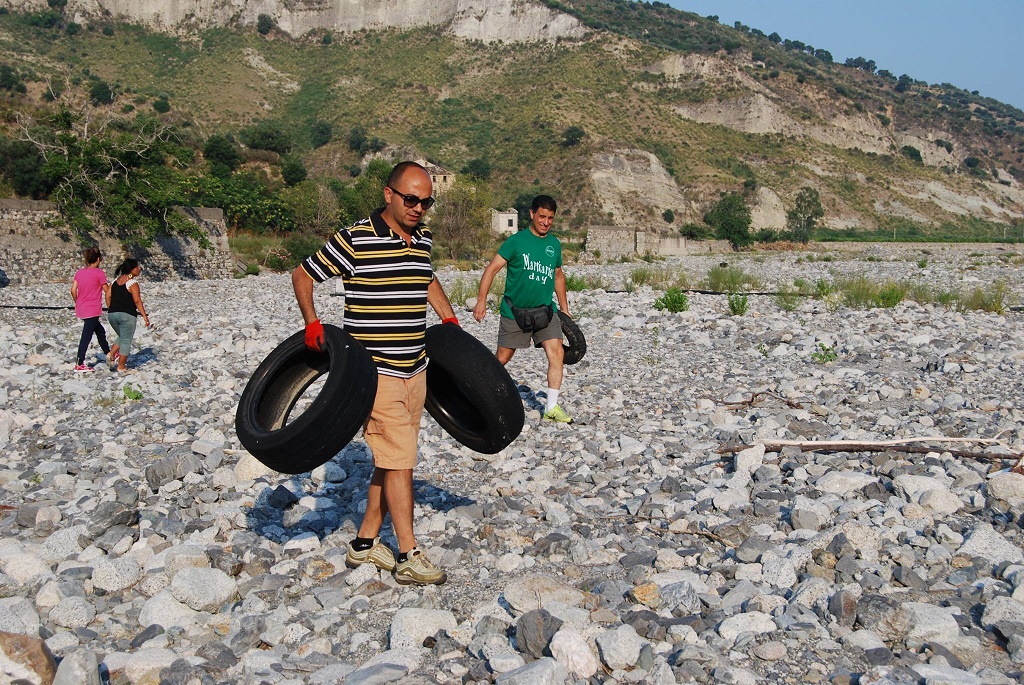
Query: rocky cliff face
486, 20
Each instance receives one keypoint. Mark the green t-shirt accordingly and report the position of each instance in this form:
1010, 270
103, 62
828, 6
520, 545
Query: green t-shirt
530, 276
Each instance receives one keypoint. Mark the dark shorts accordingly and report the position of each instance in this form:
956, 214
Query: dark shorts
511, 337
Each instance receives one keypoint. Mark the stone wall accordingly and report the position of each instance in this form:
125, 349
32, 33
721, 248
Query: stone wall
612, 242
36, 247
676, 245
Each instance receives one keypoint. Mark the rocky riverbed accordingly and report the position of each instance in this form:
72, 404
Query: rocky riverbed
140, 544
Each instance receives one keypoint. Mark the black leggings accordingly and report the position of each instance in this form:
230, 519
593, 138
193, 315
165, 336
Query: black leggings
90, 327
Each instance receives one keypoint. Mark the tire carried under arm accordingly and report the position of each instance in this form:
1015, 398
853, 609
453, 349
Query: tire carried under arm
332, 419
469, 392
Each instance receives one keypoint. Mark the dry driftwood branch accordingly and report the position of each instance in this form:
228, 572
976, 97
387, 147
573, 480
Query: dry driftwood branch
755, 397
899, 445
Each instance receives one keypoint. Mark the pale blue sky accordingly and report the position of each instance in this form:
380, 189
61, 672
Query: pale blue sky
974, 45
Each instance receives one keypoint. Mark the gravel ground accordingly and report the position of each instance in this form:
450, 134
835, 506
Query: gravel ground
140, 544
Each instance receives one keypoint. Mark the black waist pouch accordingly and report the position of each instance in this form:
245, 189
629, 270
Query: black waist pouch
530, 319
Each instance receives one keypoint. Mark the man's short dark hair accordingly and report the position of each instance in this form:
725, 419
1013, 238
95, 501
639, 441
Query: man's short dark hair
400, 170
545, 201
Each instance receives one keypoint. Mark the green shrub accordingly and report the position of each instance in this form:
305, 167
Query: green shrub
890, 295
738, 305
824, 354
161, 105
574, 283
130, 392
731, 279
674, 300
252, 269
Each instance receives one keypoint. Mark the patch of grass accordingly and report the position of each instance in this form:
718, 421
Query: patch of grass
788, 297
823, 287
825, 354
891, 294
738, 304
731, 279
574, 283
460, 290
991, 298
659, 279
674, 300
130, 392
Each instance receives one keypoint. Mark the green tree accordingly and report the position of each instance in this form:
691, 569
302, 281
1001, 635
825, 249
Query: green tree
293, 171
222, 155
161, 105
669, 216
366, 194
21, 164
572, 136
730, 217
911, 153
320, 133
101, 93
113, 172
802, 218
247, 201
462, 220
478, 168
264, 23
267, 135
315, 207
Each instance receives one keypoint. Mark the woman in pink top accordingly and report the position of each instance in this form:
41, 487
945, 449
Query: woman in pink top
87, 291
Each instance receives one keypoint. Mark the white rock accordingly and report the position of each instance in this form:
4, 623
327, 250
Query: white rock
751, 622
985, 542
203, 589
118, 574
620, 648
251, 468
139, 666
535, 590
844, 483
72, 612
1007, 486
410, 627
570, 649
164, 610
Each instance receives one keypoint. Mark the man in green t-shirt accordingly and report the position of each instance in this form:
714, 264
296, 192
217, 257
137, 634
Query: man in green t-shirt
534, 260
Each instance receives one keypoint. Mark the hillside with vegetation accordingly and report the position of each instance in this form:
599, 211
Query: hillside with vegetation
646, 120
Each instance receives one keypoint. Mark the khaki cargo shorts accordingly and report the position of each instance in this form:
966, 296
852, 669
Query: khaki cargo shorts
393, 429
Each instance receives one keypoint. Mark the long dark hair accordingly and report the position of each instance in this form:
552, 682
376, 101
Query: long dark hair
126, 267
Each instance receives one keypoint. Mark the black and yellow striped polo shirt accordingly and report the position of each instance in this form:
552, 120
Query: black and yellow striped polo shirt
385, 290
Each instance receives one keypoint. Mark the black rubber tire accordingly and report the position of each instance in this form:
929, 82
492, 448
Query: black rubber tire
575, 345
469, 392
332, 419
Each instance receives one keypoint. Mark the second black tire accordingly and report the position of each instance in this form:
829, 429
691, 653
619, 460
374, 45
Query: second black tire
330, 421
575, 345
469, 392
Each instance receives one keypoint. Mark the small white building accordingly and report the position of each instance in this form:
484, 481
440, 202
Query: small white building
504, 221
441, 178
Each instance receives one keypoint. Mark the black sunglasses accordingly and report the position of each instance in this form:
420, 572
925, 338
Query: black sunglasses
411, 201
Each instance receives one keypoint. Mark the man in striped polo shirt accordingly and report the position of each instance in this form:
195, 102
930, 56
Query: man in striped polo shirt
384, 261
